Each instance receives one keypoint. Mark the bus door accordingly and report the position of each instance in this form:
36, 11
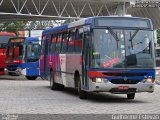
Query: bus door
85, 57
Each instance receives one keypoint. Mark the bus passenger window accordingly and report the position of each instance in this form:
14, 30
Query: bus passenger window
78, 41
78, 45
71, 41
58, 43
43, 45
53, 41
71, 46
64, 42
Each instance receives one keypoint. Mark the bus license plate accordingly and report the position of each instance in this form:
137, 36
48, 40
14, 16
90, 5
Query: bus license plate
123, 87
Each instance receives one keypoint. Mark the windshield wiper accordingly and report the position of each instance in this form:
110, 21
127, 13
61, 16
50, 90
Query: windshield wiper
131, 37
114, 35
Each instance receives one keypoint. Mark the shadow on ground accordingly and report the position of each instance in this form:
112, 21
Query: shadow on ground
101, 97
16, 78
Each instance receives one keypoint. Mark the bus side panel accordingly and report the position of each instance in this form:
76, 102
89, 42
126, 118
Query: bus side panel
32, 71
63, 69
57, 69
72, 64
47, 66
42, 66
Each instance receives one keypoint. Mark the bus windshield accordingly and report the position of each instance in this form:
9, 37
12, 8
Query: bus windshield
32, 52
4, 40
122, 48
15, 51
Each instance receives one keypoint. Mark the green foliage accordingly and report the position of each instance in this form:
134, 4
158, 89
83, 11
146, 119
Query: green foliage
12, 26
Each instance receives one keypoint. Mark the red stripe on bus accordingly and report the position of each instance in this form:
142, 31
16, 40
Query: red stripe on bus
96, 74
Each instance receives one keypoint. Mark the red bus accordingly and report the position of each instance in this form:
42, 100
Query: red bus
4, 38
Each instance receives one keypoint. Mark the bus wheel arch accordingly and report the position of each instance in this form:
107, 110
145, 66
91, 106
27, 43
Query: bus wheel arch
131, 96
82, 93
31, 77
53, 85
76, 78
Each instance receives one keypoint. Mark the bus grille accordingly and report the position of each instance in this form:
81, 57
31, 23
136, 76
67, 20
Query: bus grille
122, 81
125, 74
12, 68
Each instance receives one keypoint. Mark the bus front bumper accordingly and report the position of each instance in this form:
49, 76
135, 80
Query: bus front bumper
121, 88
17, 71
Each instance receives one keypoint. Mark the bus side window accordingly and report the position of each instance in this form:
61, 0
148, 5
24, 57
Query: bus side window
78, 41
20, 50
11, 50
43, 44
35, 51
16, 52
53, 41
71, 41
64, 42
58, 42
70, 46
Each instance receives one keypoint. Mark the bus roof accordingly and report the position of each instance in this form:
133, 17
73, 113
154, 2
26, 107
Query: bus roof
7, 34
84, 21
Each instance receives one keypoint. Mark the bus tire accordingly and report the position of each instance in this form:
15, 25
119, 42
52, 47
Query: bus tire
53, 85
131, 96
60, 87
31, 77
82, 93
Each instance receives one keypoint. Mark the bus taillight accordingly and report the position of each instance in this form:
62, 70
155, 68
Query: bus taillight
18, 61
21, 61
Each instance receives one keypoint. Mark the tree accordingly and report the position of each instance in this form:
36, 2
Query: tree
12, 26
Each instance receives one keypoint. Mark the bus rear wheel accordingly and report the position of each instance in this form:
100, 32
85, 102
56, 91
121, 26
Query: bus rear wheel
131, 96
82, 93
31, 77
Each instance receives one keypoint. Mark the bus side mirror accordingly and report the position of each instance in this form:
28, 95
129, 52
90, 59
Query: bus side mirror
131, 60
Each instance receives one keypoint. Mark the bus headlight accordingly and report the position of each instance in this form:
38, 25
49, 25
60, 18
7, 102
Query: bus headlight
157, 73
100, 80
149, 80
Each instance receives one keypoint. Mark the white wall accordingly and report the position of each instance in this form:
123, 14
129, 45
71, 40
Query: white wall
36, 33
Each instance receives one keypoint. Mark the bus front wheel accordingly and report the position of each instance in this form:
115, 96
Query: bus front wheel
31, 77
131, 96
82, 93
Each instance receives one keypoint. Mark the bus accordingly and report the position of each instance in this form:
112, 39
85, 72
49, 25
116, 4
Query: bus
157, 63
100, 54
4, 37
23, 57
